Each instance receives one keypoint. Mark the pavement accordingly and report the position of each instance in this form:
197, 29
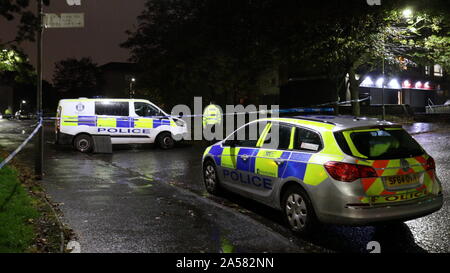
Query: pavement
142, 199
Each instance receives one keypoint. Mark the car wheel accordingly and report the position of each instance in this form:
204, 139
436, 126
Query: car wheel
83, 143
298, 211
211, 178
165, 141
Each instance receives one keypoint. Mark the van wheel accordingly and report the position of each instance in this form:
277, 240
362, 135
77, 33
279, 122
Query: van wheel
211, 178
165, 141
298, 211
83, 143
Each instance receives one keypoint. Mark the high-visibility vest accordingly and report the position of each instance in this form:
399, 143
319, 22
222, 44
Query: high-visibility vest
212, 115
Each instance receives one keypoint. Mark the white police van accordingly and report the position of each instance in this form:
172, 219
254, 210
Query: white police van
126, 121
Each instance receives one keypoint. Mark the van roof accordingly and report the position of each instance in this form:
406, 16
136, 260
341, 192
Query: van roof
102, 99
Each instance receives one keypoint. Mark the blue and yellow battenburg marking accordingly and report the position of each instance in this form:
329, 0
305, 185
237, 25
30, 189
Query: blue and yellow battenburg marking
307, 167
115, 122
262, 162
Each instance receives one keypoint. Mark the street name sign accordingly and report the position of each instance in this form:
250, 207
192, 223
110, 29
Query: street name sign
73, 2
64, 20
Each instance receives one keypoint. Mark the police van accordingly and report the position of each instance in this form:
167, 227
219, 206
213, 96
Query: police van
330, 169
126, 121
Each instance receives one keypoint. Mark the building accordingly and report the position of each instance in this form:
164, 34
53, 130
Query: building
417, 87
118, 79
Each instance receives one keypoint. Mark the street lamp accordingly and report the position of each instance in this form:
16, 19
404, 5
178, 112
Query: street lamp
383, 108
21, 104
407, 13
132, 81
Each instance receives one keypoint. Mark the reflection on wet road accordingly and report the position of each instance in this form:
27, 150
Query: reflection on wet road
142, 199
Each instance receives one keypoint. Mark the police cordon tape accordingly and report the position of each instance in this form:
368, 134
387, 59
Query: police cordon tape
313, 109
24, 143
291, 110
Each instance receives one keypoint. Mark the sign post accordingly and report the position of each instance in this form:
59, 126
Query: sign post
50, 20
39, 141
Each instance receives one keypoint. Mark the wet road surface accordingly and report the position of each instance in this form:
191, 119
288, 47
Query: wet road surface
142, 199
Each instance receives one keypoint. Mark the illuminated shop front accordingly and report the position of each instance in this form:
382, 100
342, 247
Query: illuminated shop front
413, 92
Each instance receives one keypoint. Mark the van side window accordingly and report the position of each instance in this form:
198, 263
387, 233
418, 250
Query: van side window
143, 109
112, 108
307, 140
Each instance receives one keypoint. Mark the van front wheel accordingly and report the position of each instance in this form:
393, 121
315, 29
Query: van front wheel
165, 141
83, 143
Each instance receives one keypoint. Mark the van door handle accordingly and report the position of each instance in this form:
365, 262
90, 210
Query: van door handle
279, 161
244, 157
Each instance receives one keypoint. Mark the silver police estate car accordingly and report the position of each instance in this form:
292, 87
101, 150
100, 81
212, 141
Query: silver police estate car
330, 169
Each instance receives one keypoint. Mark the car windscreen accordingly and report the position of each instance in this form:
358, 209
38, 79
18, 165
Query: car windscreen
387, 143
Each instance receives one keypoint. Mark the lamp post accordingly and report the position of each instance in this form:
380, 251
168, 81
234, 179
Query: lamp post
132, 81
39, 140
383, 114
407, 14
21, 105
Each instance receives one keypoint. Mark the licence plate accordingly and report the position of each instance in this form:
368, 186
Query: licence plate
401, 181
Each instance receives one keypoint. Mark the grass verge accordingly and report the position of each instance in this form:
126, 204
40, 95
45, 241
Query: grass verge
28, 221
17, 214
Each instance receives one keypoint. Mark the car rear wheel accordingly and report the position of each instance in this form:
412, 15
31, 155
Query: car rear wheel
210, 178
165, 141
298, 211
83, 143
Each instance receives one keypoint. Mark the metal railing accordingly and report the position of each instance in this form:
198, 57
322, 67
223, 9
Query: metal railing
437, 109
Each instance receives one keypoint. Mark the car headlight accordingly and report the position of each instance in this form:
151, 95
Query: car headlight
180, 123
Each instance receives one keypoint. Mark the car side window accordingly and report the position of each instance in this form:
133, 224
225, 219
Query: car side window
278, 138
246, 136
143, 109
307, 140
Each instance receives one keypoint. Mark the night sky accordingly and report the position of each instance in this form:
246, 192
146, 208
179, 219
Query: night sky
105, 24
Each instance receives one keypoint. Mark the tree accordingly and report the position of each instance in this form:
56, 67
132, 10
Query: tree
10, 9
425, 35
200, 47
76, 78
15, 67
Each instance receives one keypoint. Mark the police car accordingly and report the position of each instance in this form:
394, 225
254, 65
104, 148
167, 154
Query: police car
330, 169
126, 121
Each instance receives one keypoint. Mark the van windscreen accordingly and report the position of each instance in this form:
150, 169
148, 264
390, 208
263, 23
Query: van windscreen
388, 143
112, 108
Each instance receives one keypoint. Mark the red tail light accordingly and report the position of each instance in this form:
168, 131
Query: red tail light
430, 165
347, 172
